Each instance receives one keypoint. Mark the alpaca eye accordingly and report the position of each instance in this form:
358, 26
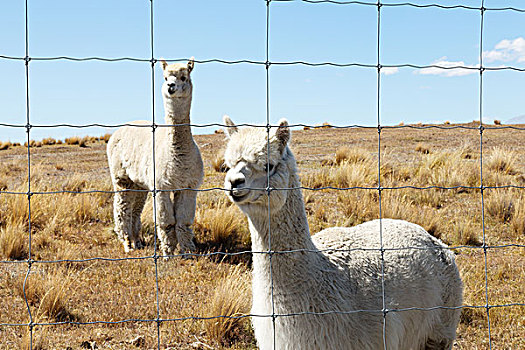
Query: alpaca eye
183, 78
165, 78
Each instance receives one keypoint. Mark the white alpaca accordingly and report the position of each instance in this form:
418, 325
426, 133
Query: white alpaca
335, 282
178, 164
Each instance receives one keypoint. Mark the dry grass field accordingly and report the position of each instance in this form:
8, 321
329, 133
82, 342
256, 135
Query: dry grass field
70, 226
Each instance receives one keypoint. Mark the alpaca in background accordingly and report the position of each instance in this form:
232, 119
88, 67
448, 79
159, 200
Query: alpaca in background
178, 165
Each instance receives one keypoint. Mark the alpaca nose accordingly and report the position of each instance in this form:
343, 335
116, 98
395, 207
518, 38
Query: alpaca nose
238, 182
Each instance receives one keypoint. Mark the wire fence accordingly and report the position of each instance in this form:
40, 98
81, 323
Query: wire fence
267, 64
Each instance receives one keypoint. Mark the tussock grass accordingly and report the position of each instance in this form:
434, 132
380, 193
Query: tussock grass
14, 242
447, 169
74, 140
5, 145
500, 205
35, 342
422, 148
231, 298
51, 214
222, 227
517, 220
49, 141
363, 205
218, 164
503, 161
465, 233
105, 137
47, 291
33, 143
351, 155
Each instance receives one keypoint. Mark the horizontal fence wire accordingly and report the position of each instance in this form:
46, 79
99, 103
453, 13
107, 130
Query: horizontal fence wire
268, 63
297, 125
484, 247
376, 188
292, 314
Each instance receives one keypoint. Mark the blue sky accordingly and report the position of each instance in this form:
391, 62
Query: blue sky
112, 93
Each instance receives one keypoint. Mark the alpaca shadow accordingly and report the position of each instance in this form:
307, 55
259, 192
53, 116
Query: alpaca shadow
226, 251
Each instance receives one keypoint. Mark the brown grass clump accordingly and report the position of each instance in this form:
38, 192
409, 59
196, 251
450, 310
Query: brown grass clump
5, 145
306, 127
33, 143
447, 122
497, 122
221, 227
85, 140
49, 141
500, 205
106, 137
325, 125
14, 242
75, 140
219, 131
517, 221
59, 142
36, 341
422, 149
218, 164
465, 233
317, 179
351, 175
231, 298
503, 161
351, 155
47, 291
447, 169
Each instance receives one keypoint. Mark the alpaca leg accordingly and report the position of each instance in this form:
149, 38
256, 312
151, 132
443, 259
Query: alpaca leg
184, 208
122, 210
138, 205
165, 223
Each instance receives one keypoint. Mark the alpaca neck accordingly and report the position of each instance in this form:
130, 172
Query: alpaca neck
285, 229
288, 231
178, 112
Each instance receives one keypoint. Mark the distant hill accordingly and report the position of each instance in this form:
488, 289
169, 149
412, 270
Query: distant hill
516, 120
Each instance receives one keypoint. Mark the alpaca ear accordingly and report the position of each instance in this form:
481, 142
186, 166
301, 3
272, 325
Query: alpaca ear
163, 64
230, 128
283, 133
191, 64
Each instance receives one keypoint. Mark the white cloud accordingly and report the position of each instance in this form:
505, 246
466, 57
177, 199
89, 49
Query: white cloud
507, 51
451, 72
389, 70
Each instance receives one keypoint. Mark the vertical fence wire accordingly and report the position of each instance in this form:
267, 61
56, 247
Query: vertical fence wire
29, 194
268, 188
154, 192
379, 189
482, 189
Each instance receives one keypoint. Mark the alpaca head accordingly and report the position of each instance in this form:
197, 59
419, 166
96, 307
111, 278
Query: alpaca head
250, 164
177, 80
